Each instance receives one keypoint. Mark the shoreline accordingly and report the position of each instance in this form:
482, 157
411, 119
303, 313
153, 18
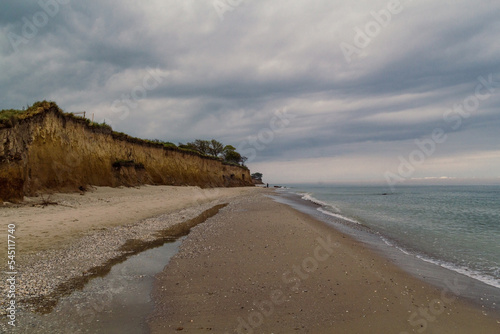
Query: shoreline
434, 223
236, 257
271, 268
480, 293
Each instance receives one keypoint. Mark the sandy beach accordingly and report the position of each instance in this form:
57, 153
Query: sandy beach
61, 246
72, 215
263, 267
257, 266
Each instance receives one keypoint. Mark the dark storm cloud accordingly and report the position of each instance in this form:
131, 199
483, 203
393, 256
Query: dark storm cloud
226, 78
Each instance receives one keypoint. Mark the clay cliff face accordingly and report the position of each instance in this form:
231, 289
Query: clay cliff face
51, 151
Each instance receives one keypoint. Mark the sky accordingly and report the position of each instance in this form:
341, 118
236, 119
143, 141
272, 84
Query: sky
397, 92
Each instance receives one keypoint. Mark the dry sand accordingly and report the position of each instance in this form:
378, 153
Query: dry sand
263, 267
40, 227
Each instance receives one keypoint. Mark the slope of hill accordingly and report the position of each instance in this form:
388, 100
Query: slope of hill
43, 149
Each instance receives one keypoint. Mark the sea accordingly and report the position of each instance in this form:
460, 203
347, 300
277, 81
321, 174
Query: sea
452, 227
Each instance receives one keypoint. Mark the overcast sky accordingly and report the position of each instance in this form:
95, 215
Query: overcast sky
311, 91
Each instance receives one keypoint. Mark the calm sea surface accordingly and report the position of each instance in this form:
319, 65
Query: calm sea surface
457, 227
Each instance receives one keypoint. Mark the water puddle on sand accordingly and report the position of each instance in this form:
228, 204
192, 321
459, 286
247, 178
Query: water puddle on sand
117, 303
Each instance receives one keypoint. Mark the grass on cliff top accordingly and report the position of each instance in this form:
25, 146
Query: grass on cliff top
8, 113
8, 116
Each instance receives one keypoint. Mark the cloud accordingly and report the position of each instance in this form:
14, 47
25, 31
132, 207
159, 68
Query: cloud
368, 167
225, 79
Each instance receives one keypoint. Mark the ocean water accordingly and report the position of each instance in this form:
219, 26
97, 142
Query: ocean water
456, 227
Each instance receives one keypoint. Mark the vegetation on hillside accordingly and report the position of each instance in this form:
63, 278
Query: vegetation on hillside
216, 149
204, 148
10, 117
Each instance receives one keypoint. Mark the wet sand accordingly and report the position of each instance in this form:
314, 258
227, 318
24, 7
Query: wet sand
263, 267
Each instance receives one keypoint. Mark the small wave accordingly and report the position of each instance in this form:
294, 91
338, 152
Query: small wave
464, 271
391, 244
309, 197
336, 215
459, 269
483, 277
387, 242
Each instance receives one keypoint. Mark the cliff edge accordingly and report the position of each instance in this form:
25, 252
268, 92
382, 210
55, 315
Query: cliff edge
48, 150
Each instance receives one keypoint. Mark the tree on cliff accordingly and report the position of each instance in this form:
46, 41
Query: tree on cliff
216, 148
198, 145
212, 147
230, 154
257, 176
203, 146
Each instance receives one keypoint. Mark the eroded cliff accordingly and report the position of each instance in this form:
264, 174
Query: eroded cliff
52, 151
